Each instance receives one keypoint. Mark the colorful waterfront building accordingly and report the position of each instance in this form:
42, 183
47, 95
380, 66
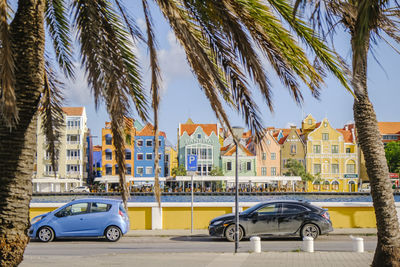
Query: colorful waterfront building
97, 166
201, 140
332, 157
292, 147
71, 155
145, 152
267, 154
246, 161
109, 160
171, 158
390, 131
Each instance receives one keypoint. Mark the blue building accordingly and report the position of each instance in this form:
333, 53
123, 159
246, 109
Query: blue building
144, 152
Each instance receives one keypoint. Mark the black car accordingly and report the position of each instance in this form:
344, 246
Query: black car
282, 218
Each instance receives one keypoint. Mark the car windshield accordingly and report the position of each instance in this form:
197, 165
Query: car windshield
251, 209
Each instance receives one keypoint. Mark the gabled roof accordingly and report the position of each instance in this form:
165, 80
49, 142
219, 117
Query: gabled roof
231, 149
73, 111
148, 130
389, 127
191, 128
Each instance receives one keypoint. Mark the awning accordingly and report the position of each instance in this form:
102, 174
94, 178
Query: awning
108, 136
108, 150
108, 165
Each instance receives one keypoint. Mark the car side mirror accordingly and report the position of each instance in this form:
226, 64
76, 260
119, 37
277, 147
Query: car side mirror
61, 213
254, 215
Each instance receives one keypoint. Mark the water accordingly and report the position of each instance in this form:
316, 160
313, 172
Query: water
216, 198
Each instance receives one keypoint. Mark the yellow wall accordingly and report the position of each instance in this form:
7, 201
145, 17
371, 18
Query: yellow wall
179, 217
140, 218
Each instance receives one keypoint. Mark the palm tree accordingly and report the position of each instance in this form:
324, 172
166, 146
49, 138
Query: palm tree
221, 39
367, 21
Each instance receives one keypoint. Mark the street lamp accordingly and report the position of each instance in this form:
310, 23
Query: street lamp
237, 133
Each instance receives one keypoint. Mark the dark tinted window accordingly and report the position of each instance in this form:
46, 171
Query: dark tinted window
269, 209
100, 207
292, 208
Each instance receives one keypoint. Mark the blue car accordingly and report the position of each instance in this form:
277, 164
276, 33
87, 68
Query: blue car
82, 218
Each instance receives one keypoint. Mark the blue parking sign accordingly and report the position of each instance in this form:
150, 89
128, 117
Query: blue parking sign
191, 163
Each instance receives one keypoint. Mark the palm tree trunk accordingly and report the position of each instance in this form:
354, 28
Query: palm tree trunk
18, 145
387, 252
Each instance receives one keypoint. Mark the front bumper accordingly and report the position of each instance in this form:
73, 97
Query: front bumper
216, 230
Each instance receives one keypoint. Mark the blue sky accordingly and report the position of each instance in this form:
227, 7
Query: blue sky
182, 97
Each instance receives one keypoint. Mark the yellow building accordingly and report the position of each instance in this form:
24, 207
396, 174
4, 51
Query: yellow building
332, 157
171, 159
109, 161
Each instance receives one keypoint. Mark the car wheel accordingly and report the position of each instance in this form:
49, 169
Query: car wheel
310, 230
113, 233
230, 233
45, 234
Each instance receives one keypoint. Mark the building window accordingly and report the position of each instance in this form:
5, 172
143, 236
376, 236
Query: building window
73, 139
309, 121
139, 142
293, 149
273, 156
335, 149
128, 170
351, 168
159, 156
166, 158
317, 168
128, 155
139, 170
326, 185
149, 156
335, 168
335, 185
264, 156
263, 171
159, 143
316, 186
108, 155
199, 136
73, 154
73, 168
229, 166
325, 124
248, 166
149, 170
317, 149
273, 171
108, 140
116, 169
149, 143
348, 150
49, 169
108, 170
140, 156
325, 136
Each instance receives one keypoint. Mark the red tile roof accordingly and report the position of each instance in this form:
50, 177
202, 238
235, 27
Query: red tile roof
347, 135
97, 148
191, 128
389, 127
73, 111
148, 130
232, 149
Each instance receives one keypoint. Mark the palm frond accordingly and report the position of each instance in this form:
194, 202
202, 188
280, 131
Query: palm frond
51, 112
129, 22
155, 92
8, 103
112, 68
59, 29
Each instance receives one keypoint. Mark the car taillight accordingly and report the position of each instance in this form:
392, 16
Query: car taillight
326, 215
120, 213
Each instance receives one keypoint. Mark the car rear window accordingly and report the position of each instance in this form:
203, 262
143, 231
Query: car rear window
292, 208
100, 207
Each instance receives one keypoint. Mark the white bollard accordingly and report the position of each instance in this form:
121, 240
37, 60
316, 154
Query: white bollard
308, 244
358, 244
256, 244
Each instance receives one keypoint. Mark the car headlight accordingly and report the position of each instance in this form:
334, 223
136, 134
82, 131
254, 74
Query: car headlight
217, 222
36, 219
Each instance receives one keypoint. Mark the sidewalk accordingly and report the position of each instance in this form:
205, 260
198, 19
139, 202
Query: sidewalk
164, 233
289, 259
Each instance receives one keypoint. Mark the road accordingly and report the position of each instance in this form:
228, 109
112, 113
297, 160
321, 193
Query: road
185, 244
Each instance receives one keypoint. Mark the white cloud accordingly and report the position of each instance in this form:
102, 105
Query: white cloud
77, 91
